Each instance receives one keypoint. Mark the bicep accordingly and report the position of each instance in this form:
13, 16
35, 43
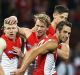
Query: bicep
65, 47
25, 32
64, 51
51, 45
48, 46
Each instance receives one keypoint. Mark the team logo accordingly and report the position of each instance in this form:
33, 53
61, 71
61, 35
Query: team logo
29, 46
11, 52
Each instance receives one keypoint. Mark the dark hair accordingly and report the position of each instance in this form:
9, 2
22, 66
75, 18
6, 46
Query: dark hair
43, 18
62, 23
61, 9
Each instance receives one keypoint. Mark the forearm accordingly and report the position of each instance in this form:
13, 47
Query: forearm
28, 58
25, 32
35, 51
20, 59
21, 32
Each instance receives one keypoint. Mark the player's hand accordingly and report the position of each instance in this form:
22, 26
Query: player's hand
11, 20
16, 72
17, 51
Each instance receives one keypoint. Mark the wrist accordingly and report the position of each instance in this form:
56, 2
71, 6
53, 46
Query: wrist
22, 55
22, 70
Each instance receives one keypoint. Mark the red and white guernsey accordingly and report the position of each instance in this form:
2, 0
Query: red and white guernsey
50, 30
45, 63
30, 42
32, 39
9, 61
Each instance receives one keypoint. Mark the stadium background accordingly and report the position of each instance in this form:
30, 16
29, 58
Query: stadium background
25, 9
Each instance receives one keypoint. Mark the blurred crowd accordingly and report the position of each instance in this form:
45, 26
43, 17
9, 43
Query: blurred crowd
25, 10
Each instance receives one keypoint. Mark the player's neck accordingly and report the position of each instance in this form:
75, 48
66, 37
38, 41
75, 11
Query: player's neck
12, 39
40, 37
57, 35
54, 24
54, 21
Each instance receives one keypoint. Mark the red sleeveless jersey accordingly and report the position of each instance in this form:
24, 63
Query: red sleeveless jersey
41, 60
50, 30
9, 44
31, 41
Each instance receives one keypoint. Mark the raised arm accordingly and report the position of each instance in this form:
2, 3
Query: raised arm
25, 32
30, 56
64, 51
49, 46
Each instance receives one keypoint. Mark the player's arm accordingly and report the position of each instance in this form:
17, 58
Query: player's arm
25, 32
1, 71
64, 51
54, 25
30, 56
2, 46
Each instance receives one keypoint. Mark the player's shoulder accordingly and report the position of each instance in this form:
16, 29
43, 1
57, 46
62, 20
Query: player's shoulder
53, 37
2, 41
2, 45
50, 30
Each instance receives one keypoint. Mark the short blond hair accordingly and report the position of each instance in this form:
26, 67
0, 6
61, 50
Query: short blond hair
43, 18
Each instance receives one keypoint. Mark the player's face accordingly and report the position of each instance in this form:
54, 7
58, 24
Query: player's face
41, 28
10, 31
60, 17
65, 33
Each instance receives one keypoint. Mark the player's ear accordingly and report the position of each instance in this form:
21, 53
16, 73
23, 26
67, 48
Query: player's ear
55, 14
2, 29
